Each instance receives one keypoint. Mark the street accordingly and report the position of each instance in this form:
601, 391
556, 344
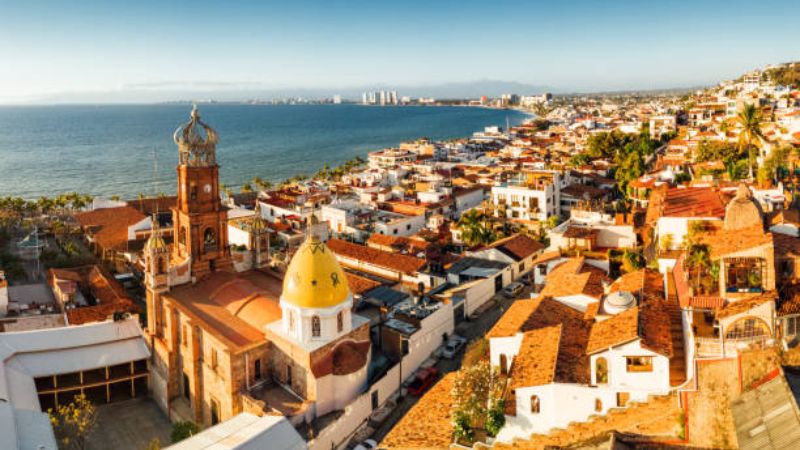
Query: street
472, 329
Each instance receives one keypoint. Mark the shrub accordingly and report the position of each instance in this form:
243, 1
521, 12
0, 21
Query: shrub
183, 430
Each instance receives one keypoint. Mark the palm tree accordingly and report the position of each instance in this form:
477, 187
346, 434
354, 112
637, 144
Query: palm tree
699, 260
750, 136
474, 230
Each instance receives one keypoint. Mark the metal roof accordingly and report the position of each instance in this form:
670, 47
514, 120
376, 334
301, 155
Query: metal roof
767, 417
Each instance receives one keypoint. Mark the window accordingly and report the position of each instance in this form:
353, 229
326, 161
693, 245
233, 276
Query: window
340, 321
622, 399
209, 239
408, 226
598, 405
182, 236
639, 363
503, 364
185, 335
257, 369
316, 327
394, 231
193, 191
535, 406
162, 266
374, 399
791, 326
214, 361
291, 320
601, 370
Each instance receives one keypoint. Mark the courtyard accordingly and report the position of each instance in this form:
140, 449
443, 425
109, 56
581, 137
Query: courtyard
129, 424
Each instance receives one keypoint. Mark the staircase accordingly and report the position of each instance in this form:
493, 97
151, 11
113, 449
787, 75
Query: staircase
677, 363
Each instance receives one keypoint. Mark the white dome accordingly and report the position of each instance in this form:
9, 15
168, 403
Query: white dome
617, 302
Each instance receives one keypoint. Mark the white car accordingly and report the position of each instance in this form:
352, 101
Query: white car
367, 444
453, 345
513, 289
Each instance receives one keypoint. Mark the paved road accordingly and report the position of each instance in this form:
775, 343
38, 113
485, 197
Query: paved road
469, 329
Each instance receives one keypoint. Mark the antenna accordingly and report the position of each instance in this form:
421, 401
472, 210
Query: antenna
155, 191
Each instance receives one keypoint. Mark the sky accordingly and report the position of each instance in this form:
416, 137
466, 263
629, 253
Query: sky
158, 50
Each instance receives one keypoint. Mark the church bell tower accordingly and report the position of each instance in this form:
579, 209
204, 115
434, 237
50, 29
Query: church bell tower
199, 219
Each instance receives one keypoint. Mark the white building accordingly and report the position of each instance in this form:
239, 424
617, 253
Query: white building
587, 362
535, 198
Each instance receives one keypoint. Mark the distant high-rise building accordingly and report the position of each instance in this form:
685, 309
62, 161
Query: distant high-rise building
337, 99
383, 98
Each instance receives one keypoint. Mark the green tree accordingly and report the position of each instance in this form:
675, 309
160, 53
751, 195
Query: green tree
750, 135
474, 228
73, 422
477, 390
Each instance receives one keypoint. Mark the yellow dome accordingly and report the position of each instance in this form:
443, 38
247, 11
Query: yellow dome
314, 278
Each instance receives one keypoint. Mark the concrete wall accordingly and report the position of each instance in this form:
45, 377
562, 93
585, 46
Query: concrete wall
37, 322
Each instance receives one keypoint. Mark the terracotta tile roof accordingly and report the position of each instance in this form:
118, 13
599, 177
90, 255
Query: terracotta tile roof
643, 283
427, 425
150, 205
232, 307
346, 358
722, 242
108, 293
649, 322
518, 246
583, 191
739, 306
545, 257
358, 284
573, 277
617, 330
109, 226
527, 315
574, 232
400, 263
511, 322
693, 202
535, 364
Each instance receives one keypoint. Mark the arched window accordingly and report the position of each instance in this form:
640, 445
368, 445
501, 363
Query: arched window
182, 236
503, 364
291, 320
601, 370
340, 321
316, 327
535, 407
747, 327
209, 239
598, 405
162, 266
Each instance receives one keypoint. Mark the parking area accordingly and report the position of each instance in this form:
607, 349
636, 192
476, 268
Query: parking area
129, 424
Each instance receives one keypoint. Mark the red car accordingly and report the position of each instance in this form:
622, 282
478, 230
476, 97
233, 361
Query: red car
424, 379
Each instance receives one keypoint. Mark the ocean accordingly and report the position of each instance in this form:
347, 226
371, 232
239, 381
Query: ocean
109, 150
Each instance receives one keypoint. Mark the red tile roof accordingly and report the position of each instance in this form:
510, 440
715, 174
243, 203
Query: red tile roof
109, 226
693, 202
574, 277
108, 293
518, 246
400, 263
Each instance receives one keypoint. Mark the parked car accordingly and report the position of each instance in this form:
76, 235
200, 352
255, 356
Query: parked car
424, 380
367, 444
453, 345
513, 289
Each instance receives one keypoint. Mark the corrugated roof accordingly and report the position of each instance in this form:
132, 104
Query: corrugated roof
767, 417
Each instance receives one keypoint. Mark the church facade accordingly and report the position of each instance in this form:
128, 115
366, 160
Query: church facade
226, 341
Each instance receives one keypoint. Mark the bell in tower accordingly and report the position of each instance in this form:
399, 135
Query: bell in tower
199, 218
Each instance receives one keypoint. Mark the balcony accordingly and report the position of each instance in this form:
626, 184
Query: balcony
697, 290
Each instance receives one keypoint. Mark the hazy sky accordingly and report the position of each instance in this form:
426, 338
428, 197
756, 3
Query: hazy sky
88, 46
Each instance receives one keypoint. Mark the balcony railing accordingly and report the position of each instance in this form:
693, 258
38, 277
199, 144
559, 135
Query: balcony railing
715, 347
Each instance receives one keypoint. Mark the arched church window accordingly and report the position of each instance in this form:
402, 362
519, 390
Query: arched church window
340, 321
162, 266
193, 194
316, 326
209, 239
182, 236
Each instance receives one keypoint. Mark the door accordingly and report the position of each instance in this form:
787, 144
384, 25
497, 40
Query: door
186, 392
498, 283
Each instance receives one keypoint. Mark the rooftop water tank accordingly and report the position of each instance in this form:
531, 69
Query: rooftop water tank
617, 302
